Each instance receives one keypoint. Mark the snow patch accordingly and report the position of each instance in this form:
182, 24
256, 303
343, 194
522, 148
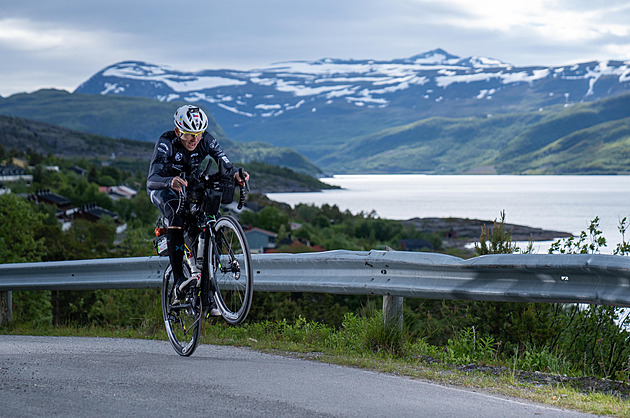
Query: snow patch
112, 88
235, 110
268, 106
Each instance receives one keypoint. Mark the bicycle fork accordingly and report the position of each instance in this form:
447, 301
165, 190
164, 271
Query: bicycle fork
207, 269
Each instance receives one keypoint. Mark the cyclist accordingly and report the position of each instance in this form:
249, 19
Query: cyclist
176, 155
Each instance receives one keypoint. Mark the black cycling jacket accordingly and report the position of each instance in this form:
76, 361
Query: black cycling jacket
170, 158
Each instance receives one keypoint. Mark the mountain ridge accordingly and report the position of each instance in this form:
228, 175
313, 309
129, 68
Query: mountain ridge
316, 106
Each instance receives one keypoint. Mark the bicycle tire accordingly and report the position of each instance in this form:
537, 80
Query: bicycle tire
233, 277
182, 321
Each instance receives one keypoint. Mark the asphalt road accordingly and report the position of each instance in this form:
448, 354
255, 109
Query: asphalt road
66, 376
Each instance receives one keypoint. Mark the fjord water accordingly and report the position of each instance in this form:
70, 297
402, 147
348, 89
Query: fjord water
559, 203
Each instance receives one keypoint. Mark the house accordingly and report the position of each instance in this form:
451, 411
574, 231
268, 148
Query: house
118, 192
46, 196
19, 162
451, 233
66, 213
79, 170
14, 173
297, 245
260, 240
93, 213
90, 212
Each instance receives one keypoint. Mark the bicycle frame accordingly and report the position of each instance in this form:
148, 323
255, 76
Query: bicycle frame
210, 239
207, 266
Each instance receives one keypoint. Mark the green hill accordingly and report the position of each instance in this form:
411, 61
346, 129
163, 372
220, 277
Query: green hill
46, 139
600, 149
112, 116
137, 119
133, 118
586, 138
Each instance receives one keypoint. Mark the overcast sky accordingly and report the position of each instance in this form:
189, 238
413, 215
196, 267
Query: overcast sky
43, 44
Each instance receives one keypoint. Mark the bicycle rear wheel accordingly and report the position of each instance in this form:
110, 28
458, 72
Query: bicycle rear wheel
182, 320
233, 276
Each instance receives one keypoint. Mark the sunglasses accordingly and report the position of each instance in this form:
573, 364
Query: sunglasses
193, 134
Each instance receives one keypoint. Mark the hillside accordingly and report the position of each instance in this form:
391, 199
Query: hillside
46, 139
132, 118
587, 138
113, 116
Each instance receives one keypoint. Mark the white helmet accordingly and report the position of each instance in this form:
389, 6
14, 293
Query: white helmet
190, 118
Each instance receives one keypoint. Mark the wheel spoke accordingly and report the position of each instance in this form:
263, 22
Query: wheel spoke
181, 319
233, 274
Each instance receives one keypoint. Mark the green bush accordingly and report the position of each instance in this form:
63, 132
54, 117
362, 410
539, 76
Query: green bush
469, 347
542, 359
367, 333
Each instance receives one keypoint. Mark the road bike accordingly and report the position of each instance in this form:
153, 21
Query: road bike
217, 261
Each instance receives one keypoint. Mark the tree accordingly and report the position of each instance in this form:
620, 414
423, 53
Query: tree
20, 225
269, 218
497, 241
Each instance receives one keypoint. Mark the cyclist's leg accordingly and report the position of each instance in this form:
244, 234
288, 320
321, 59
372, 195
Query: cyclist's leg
167, 201
182, 320
175, 237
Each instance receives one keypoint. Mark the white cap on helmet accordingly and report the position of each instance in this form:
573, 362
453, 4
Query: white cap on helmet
191, 118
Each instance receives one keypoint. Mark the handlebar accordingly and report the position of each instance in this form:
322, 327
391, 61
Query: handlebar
212, 181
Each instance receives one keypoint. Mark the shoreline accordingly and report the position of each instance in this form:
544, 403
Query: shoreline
469, 230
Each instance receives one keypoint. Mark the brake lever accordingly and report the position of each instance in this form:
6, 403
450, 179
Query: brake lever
244, 189
242, 176
182, 175
204, 175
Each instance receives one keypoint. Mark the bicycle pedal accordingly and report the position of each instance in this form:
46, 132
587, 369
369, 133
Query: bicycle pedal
212, 311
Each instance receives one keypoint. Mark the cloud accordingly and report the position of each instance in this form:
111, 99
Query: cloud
72, 42
36, 37
39, 55
17, 34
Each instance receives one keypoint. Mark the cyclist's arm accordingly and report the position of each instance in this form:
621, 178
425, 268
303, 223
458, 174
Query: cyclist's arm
159, 177
216, 152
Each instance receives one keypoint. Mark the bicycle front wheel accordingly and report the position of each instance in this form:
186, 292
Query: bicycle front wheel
181, 318
233, 276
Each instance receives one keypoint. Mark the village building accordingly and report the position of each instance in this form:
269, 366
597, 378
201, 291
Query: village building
118, 192
14, 173
260, 240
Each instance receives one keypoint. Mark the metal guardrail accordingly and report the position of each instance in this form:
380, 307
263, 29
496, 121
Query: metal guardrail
106, 273
569, 278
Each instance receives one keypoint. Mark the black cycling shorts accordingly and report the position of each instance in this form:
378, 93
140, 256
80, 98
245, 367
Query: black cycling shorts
167, 201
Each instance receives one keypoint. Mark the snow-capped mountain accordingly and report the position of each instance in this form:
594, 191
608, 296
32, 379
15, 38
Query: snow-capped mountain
330, 100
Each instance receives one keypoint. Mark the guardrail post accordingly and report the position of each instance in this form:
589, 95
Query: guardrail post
6, 312
393, 312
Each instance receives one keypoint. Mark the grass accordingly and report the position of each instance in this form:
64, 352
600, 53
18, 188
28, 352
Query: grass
366, 343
